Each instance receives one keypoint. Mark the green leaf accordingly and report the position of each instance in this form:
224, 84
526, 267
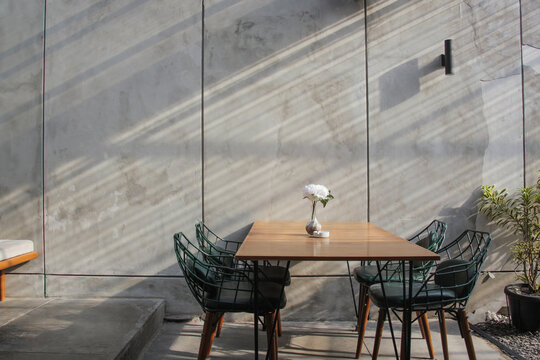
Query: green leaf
519, 213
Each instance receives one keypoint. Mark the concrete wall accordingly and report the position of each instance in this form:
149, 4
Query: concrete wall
159, 113
21, 140
531, 87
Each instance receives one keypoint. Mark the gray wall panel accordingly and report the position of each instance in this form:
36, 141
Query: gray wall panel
173, 289
123, 169
284, 107
24, 285
434, 139
21, 47
531, 86
285, 104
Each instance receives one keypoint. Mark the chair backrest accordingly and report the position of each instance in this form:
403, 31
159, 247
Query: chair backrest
199, 275
222, 251
209, 281
461, 262
431, 238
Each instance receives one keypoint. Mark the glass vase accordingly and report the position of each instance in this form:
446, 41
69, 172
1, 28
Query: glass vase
313, 225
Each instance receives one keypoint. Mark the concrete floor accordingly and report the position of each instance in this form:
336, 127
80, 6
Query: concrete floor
100, 329
322, 340
79, 329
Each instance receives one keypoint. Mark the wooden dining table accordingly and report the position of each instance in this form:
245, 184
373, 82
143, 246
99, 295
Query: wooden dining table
348, 241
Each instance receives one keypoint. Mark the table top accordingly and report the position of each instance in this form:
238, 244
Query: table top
288, 240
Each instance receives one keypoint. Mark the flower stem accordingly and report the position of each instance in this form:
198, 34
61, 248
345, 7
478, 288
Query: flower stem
313, 211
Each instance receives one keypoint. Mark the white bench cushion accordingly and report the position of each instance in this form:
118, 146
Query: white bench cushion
12, 248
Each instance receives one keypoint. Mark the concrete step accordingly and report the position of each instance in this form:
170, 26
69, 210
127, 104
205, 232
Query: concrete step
77, 329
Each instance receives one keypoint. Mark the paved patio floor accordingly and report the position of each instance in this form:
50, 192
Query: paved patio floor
77, 329
304, 340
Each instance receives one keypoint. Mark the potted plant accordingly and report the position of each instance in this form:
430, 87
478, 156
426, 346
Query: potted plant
520, 215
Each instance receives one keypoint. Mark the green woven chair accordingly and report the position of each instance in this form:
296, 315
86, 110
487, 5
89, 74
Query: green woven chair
219, 289
446, 290
431, 238
223, 251
226, 249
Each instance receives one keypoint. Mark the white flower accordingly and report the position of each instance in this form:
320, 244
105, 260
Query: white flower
316, 192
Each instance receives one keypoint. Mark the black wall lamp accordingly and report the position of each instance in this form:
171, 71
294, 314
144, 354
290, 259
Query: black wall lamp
446, 58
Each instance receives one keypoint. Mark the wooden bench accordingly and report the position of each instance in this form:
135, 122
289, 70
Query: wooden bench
14, 252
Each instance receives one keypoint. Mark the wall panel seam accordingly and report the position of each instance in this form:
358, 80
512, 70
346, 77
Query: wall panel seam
44, 42
366, 74
202, 110
522, 93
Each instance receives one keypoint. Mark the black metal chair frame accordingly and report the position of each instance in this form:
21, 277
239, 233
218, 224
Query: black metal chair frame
470, 250
224, 251
208, 281
392, 270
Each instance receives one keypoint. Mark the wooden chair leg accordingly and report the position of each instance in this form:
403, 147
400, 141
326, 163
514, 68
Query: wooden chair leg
444, 340
276, 340
207, 337
279, 332
420, 324
424, 327
220, 325
363, 313
204, 337
213, 326
378, 333
402, 343
271, 340
466, 333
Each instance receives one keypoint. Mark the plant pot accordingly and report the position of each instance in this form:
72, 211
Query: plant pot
524, 308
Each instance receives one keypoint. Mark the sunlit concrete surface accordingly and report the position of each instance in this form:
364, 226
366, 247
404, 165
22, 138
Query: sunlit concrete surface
21, 117
305, 340
122, 136
435, 138
123, 122
56, 329
531, 87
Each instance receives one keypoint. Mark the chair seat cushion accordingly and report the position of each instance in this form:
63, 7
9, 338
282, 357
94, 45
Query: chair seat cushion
367, 274
228, 299
431, 296
274, 273
12, 248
